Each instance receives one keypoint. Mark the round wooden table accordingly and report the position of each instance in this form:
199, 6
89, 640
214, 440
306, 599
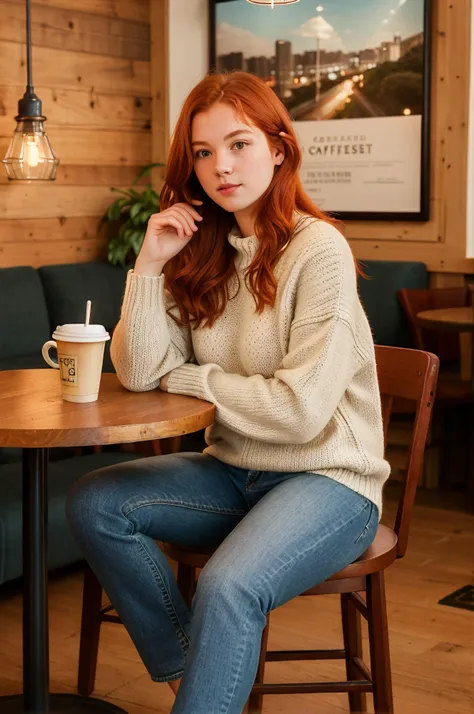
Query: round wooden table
454, 319
33, 416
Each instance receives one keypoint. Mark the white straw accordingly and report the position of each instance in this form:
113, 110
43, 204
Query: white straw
88, 313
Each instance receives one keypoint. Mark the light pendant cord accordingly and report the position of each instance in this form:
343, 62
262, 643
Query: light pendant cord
29, 62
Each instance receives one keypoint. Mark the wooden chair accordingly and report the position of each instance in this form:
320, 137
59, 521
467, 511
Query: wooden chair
454, 393
409, 374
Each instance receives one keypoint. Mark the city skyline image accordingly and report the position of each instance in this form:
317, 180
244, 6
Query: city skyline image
334, 59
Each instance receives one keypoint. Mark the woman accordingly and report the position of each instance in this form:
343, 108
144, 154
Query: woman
262, 318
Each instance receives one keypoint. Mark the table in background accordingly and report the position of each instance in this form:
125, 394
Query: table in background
33, 416
461, 320
454, 319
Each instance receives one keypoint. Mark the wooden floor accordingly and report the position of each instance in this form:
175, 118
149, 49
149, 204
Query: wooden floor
432, 645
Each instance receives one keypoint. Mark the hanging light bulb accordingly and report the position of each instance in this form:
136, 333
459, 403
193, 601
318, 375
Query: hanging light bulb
31, 151
272, 3
30, 155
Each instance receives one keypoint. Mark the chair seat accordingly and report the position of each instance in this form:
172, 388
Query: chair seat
378, 556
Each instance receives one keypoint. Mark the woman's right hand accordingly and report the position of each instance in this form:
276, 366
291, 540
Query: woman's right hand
167, 233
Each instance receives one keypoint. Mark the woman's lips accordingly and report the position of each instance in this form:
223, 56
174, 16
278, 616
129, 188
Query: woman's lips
228, 190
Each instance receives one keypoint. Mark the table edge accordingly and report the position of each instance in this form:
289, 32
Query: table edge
123, 434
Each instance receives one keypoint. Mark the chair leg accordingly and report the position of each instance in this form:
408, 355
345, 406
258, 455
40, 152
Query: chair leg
379, 646
90, 631
351, 629
255, 701
186, 579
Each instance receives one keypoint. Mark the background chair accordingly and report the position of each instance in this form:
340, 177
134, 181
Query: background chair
454, 393
403, 373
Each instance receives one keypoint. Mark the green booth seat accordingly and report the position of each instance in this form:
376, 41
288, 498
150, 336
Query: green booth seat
62, 549
24, 320
378, 294
34, 361
68, 287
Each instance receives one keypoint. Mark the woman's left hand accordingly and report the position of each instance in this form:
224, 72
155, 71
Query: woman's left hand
164, 382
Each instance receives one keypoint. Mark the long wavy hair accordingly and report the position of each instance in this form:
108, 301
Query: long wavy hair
198, 276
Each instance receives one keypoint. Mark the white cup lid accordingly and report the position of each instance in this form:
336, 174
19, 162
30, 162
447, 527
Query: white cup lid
81, 333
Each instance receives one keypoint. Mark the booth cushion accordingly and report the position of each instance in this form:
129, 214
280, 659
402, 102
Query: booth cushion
68, 287
24, 323
62, 548
34, 361
378, 293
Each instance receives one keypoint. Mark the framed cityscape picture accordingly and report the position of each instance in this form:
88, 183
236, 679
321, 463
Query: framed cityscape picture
355, 78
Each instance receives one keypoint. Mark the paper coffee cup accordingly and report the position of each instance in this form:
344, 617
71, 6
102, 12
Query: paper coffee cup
80, 358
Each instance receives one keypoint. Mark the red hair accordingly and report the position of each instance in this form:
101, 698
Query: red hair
199, 275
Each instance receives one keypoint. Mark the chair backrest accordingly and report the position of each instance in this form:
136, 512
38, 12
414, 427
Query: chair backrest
413, 301
408, 374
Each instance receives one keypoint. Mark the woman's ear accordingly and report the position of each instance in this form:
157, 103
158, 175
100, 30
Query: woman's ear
278, 157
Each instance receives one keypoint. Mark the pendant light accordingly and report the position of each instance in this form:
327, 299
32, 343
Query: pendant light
272, 3
30, 156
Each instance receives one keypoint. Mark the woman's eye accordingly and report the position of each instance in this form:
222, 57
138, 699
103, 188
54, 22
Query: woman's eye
202, 154
239, 145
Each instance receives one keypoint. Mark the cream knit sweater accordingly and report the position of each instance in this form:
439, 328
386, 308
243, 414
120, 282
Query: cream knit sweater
295, 388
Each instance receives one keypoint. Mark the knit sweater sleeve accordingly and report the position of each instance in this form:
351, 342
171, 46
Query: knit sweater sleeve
147, 343
324, 353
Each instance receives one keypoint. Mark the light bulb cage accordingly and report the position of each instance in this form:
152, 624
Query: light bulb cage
21, 161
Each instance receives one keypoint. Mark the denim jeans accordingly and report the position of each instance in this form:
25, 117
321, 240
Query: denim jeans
277, 534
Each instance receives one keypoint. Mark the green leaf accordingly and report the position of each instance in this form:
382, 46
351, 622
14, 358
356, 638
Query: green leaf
131, 212
126, 231
145, 215
113, 212
137, 240
135, 210
145, 172
116, 208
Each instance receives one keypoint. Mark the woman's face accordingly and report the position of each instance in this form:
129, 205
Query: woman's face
232, 160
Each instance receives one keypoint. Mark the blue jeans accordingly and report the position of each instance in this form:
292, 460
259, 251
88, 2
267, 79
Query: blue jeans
277, 534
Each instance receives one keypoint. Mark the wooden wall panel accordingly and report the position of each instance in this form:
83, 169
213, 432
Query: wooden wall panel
79, 146
440, 242
76, 31
85, 175
52, 253
80, 108
61, 69
51, 201
159, 84
38, 230
137, 10
91, 69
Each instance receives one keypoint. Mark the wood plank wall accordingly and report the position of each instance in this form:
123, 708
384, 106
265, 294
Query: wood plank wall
440, 242
106, 97
92, 70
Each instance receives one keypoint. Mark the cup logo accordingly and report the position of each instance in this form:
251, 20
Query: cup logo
68, 369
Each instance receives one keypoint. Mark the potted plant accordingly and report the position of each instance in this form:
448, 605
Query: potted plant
128, 217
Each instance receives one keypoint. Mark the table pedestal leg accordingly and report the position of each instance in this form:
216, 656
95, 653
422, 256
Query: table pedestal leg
36, 698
